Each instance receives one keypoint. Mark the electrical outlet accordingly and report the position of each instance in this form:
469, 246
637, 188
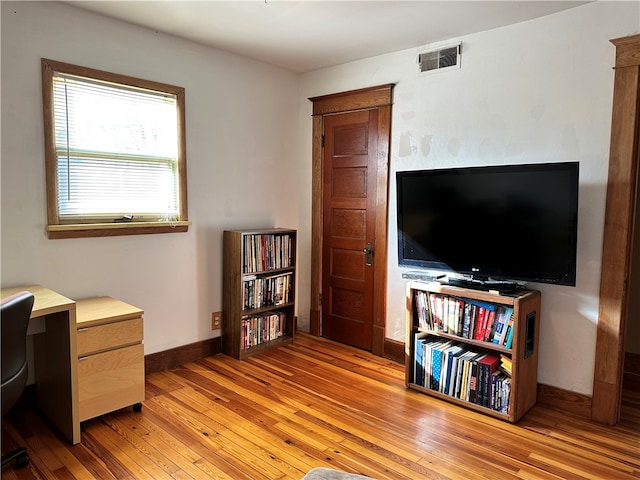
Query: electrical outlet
216, 320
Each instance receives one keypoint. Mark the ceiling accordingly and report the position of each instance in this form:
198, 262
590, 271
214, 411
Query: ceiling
307, 35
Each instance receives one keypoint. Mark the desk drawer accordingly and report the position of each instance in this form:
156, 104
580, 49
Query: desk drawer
110, 380
108, 336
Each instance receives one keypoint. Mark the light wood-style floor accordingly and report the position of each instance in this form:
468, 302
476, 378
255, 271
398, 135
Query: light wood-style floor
318, 403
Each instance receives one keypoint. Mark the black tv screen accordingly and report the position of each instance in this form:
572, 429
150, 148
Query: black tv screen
507, 222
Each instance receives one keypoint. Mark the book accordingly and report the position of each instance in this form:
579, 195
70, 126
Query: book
466, 322
469, 380
486, 366
506, 396
437, 363
461, 381
508, 341
501, 328
420, 306
436, 366
505, 319
490, 326
460, 304
439, 311
452, 373
445, 314
426, 362
481, 322
429, 356
434, 317
419, 370
500, 392
451, 309
506, 364
447, 364
462, 374
472, 325
493, 397
473, 379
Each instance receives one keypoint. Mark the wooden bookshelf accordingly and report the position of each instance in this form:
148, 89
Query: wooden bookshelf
259, 276
425, 323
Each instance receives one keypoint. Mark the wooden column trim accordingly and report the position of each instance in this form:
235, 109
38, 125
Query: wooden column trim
627, 51
618, 233
315, 313
382, 220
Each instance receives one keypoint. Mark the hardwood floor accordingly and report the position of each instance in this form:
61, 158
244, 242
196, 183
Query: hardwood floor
318, 403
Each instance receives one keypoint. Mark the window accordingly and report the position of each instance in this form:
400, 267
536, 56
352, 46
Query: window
114, 152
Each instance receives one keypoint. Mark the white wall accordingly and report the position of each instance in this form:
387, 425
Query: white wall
241, 154
539, 91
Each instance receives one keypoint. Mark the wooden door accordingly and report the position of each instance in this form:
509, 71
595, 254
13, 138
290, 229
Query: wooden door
347, 304
349, 193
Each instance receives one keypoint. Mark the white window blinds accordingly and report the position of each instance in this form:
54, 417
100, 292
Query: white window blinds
116, 150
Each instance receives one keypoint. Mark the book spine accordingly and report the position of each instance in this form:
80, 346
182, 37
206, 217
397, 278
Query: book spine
500, 326
489, 326
459, 316
436, 368
440, 313
466, 324
418, 374
426, 359
481, 323
486, 385
509, 338
473, 382
432, 308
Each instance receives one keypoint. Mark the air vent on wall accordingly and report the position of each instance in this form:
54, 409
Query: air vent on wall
444, 58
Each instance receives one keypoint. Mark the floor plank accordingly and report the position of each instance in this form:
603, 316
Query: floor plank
317, 403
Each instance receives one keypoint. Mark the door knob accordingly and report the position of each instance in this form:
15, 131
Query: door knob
368, 254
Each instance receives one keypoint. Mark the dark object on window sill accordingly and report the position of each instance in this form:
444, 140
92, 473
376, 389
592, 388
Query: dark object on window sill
124, 219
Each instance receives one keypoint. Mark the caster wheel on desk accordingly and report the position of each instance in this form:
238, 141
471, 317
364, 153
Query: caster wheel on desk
22, 460
20, 455
137, 407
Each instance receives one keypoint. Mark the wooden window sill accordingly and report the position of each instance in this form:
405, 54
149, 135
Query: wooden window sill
114, 229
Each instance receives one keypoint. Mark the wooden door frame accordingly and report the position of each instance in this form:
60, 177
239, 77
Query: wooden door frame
380, 97
617, 247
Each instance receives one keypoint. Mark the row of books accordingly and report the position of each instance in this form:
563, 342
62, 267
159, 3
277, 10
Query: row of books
261, 292
264, 252
461, 372
464, 317
259, 329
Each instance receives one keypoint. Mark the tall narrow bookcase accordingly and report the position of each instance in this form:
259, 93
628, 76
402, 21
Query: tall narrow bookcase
474, 348
259, 277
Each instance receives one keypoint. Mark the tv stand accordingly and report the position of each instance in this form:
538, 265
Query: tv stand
464, 354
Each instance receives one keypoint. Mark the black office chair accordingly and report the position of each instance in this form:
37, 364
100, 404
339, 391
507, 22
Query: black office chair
14, 316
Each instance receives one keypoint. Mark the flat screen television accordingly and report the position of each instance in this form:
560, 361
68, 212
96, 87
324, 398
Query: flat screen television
491, 223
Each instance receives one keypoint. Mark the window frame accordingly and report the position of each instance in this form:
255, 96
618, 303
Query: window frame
57, 229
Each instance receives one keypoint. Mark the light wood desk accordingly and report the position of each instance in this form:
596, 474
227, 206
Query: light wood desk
55, 352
